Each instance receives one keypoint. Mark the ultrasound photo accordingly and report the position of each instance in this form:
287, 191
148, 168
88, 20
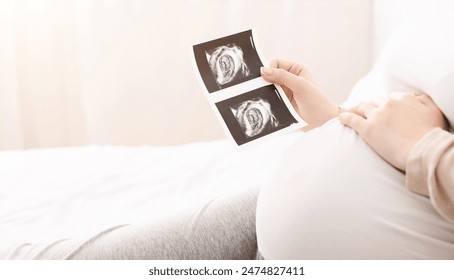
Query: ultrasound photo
227, 64
227, 61
248, 107
255, 114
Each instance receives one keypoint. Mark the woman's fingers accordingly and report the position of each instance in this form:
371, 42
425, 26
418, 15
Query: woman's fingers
356, 122
295, 83
425, 99
356, 117
364, 109
292, 67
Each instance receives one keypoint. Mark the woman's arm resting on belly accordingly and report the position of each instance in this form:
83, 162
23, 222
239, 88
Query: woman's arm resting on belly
406, 131
392, 126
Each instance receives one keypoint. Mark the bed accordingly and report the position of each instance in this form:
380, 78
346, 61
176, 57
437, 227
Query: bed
49, 194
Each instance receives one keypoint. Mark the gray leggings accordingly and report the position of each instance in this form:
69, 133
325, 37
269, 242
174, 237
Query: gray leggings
223, 228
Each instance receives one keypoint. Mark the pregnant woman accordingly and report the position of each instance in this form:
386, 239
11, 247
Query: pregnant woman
335, 197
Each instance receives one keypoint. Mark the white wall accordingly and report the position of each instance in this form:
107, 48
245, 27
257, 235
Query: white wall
388, 15
79, 72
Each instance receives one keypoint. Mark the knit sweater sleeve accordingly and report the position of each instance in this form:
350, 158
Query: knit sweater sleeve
430, 170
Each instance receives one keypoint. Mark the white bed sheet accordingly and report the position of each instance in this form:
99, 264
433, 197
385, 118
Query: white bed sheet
46, 194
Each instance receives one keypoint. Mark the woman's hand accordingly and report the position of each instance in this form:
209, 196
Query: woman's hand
307, 99
392, 126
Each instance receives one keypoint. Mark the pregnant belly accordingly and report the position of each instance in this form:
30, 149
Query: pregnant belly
323, 184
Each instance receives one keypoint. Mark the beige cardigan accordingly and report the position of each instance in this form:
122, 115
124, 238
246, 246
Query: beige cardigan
430, 170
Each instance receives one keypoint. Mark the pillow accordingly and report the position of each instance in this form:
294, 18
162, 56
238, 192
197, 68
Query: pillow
419, 57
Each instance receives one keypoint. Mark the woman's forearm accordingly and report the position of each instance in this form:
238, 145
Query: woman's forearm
430, 170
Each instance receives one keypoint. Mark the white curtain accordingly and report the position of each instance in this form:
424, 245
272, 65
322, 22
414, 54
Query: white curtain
86, 72
40, 82
78, 72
